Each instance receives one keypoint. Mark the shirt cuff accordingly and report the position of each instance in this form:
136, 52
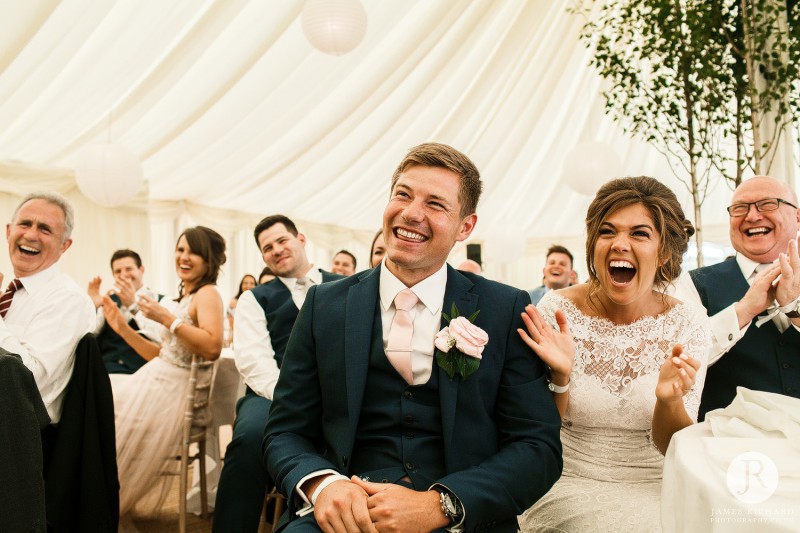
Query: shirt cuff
725, 328
309, 505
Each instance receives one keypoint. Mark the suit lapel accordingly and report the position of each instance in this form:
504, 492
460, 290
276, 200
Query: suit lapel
457, 291
359, 314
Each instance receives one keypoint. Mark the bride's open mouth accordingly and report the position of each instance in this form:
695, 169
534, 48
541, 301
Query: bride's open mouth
621, 272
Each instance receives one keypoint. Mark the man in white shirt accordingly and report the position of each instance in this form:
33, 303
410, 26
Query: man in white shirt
753, 301
47, 313
371, 429
264, 319
128, 271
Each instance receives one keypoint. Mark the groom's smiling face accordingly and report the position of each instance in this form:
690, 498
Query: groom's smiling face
423, 221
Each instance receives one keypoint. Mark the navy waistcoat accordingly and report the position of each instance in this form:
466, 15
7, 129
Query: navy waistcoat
118, 357
763, 359
400, 425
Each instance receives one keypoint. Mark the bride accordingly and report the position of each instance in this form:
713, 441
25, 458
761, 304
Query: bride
149, 404
627, 362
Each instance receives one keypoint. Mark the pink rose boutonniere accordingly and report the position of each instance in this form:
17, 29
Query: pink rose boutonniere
459, 345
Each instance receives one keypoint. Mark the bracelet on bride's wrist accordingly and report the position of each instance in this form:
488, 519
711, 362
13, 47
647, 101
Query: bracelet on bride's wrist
558, 389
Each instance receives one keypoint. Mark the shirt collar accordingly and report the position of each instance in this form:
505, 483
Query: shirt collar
314, 275
40, 280
430, 290
746, 265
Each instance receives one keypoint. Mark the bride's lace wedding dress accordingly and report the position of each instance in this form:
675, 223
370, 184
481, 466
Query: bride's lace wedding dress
612, 471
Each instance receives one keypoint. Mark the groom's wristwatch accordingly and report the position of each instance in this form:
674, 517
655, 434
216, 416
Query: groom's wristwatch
451, 506
792, 309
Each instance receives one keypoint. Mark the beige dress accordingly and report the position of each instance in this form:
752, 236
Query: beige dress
612, 471
148, 410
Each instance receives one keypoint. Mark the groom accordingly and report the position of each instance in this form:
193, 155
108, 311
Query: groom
367, 430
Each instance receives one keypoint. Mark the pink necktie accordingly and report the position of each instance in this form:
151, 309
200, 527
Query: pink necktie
5, 300
398, 347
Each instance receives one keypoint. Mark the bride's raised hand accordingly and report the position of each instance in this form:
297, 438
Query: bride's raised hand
676, 376
555, 348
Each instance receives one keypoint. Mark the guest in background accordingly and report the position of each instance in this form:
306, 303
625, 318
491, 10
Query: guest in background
43, 313
263, 323
377, 250
344, 263
470, 265
247, 282
556, 274
128, 272
265, 276
759, 354
149, 405
626, 361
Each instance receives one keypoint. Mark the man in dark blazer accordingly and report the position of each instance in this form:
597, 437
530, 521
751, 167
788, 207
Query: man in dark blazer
264, 319
365, 435
753, 300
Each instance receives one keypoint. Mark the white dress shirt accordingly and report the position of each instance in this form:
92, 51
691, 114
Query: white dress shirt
725, 324
252, 346
47, 318
149, 328
426, 316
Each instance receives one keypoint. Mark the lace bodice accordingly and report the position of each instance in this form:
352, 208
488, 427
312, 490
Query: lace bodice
616, 366
172, 349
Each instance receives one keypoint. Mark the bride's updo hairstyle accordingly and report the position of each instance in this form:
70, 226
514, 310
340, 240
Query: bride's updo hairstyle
664, 209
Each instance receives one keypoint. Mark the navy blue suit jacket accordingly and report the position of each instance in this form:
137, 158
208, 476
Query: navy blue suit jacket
500, 427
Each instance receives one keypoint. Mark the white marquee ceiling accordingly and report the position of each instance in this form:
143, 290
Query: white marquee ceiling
229, 107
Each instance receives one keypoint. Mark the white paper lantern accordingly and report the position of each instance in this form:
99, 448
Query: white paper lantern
108, 174
589, 165
334, 26
504, 243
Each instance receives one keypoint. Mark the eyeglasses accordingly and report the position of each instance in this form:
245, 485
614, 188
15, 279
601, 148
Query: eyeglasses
762, 206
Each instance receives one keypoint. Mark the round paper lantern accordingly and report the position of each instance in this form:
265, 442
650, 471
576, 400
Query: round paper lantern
334, 26
108, 174
589, 165
504, 243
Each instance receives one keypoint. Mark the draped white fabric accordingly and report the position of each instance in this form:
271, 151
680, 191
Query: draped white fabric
235, 116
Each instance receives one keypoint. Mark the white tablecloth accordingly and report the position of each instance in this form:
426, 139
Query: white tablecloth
723, 483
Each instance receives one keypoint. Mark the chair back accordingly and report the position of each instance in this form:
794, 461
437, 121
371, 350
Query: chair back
196, 419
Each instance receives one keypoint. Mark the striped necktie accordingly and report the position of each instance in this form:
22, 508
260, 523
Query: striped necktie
5, 300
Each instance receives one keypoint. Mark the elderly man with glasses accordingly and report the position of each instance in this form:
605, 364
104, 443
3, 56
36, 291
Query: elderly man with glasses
753, 299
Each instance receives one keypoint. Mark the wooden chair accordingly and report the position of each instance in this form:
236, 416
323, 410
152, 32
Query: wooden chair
279, 502
196, 419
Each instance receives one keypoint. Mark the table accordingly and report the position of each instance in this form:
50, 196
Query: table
715, 483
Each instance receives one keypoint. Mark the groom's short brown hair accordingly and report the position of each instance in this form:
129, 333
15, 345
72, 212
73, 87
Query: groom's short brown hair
444, 156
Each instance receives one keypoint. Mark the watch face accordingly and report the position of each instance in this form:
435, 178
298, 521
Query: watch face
451, 507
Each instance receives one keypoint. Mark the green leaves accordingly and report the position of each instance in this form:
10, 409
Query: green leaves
458, 363
454, 314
